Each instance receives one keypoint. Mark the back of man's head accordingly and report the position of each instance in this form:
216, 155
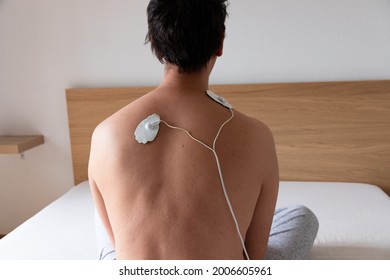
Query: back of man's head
186, 33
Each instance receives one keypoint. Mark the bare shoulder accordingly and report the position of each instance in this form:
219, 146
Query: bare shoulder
112, 138
256, 129
122, 123
260, 144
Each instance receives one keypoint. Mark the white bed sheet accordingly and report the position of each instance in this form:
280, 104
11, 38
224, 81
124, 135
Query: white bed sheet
354, 223
63, 230
354, 218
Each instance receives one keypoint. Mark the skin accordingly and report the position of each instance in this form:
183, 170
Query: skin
164, 200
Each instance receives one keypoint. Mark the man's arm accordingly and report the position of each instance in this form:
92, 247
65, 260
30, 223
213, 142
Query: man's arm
95, 165
256, 240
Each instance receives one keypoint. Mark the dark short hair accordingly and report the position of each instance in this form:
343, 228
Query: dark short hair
186, 33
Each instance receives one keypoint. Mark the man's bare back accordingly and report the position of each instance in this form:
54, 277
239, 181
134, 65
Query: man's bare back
164, 200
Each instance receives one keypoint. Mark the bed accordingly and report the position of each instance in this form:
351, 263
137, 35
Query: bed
333, 146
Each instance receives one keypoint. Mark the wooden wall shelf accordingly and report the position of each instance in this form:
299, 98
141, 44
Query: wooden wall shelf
19, 144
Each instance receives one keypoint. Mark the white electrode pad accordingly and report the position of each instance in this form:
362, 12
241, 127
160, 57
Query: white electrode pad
147, 130
219, 99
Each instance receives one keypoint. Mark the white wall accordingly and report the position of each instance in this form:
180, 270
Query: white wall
47, 46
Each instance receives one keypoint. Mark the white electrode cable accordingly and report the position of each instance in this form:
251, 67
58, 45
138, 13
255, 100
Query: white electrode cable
219, 171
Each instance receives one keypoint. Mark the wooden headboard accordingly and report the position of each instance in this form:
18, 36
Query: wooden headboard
327, 131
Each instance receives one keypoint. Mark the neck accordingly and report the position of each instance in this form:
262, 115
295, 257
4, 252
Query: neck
198, 81
194, 81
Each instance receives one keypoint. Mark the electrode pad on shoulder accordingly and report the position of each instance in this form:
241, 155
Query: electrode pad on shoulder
147, 130
219, 99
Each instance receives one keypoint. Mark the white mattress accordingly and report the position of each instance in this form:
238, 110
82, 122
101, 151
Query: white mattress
64, 230
354, 223
354, 218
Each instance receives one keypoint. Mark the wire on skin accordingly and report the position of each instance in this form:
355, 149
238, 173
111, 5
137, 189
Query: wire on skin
219, 171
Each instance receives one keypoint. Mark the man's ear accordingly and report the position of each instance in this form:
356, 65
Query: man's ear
219, 52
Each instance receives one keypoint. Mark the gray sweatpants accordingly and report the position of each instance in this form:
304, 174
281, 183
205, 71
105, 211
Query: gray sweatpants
292, 235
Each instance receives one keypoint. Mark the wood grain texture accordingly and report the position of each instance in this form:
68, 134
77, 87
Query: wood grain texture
328, 131
19, 144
